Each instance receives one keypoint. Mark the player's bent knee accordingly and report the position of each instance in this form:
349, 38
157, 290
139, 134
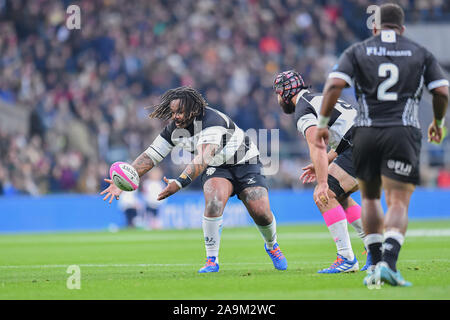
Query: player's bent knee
252, 194
214, 208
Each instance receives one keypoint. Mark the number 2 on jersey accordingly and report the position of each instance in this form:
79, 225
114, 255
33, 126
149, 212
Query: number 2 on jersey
383, 69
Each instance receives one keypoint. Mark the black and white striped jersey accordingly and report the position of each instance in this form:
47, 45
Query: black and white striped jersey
340, 126
213, 127
389, 72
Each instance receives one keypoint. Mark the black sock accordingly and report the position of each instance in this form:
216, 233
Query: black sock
391, 249
375, 251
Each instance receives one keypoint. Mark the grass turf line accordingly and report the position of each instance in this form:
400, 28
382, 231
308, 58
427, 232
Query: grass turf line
135, 264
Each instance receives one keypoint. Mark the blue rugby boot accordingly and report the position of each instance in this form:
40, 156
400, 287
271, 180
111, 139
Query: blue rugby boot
278, 259
341, 265
387, 275
210, 266
368, 261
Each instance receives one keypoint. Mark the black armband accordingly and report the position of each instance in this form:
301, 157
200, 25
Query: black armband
184, 180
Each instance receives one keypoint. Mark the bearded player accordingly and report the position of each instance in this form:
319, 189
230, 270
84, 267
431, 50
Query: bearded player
225, 158
333, 171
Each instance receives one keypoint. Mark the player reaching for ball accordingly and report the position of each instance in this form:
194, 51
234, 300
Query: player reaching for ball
334, 172
225, 158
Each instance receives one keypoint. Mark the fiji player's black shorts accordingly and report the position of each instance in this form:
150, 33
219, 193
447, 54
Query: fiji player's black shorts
241, 176
392, 151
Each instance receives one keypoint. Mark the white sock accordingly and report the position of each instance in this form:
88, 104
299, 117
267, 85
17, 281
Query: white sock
357, 225
336, 222
353, 215
212, 229
400, 238
269, 233
373, 238
339, 232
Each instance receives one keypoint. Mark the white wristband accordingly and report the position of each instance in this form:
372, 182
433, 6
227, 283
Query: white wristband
322, 121
176, 181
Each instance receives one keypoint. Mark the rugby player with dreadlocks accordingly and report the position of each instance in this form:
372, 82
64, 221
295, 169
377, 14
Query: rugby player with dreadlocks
334, 172
226, 159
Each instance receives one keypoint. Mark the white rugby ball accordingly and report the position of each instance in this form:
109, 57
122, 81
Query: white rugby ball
124, 176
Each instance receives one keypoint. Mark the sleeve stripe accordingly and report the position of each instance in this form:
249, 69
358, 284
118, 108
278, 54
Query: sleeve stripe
157, 151
341, 75
305, 122
438, 83
311, 125
155, 156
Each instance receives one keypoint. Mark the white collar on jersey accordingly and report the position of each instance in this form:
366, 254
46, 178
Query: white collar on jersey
388, 36
300, 94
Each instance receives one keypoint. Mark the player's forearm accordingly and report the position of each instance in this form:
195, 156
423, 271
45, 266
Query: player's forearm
143, 164
198, 164
195, 168
319, 159
440, 102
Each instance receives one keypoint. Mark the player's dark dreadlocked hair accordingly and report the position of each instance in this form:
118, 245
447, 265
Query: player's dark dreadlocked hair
191, 101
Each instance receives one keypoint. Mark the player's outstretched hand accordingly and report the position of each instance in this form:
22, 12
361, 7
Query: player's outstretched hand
309, 174
172, 187
321, 194
111, 192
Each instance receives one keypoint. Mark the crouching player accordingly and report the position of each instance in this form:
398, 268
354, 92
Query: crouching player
226, 159
333, 171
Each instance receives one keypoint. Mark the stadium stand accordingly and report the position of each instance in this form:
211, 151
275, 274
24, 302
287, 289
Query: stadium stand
81, 94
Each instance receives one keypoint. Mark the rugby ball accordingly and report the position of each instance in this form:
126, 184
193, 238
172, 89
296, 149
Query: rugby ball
124, 176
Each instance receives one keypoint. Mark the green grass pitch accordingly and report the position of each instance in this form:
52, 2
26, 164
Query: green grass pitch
137, 264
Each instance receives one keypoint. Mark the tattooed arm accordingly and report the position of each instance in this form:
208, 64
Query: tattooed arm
200, 162
143, 164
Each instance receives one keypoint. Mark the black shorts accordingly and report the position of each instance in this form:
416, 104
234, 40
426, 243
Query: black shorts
343, 160
393, 152
241, 176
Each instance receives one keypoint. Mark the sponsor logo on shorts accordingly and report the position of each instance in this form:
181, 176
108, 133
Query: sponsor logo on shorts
251, 180
210, 171
399, 167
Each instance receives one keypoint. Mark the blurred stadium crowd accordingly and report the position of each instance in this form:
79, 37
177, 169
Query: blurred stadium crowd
86, 90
